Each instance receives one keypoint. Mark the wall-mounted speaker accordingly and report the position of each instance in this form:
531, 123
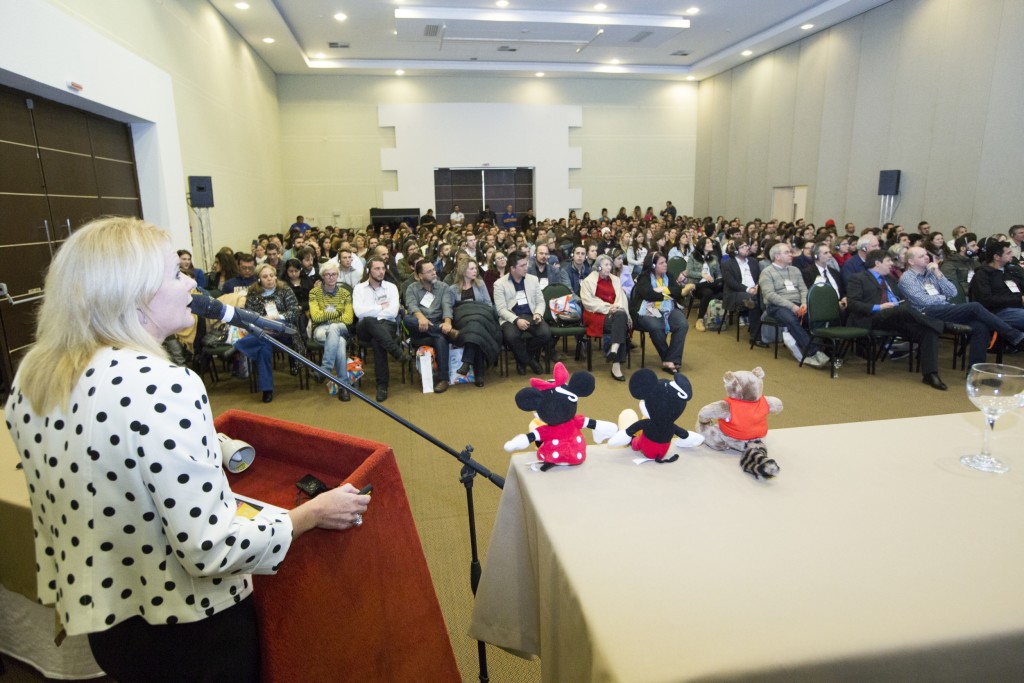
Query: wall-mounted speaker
888, 183
200, 191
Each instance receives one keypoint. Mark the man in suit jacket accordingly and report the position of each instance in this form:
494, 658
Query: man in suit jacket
873, 303
822, 270
739, 278
520, 305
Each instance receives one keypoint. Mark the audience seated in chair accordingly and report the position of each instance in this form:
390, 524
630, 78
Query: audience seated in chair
520, 305
271, 298
874, 305
654, 308
330, 310
376, 303
428, 303
740, 290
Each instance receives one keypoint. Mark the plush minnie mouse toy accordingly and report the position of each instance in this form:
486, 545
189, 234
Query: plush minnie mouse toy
662, 401
560, 438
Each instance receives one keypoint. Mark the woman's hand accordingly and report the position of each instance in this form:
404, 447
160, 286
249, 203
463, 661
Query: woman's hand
337, 509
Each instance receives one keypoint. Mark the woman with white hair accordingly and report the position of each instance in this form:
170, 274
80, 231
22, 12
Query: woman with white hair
271, 298
330, 309
136, 537
606, 312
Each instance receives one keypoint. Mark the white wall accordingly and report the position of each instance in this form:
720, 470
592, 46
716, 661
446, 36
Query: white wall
934, 88
177, 64
42, 49
637, 140
429, 136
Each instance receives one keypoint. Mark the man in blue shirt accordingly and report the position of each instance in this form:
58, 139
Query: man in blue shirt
873, 304
300, 225
509, 218
929, 291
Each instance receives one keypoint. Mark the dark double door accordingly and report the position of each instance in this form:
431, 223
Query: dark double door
473, 188
59, 168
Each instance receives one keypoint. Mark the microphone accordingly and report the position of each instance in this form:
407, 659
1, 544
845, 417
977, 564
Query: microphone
207, 307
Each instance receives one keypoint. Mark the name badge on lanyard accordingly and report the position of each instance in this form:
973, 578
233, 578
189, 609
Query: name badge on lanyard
930, 289
790, 287
428, 298
521, 299
1012, 286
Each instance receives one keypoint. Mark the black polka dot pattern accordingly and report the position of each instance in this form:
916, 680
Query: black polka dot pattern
133, 466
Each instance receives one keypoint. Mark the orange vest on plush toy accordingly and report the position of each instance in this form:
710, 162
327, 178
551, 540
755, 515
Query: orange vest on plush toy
747, 419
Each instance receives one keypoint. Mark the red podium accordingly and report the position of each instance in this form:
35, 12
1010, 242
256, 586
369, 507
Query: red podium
352, 605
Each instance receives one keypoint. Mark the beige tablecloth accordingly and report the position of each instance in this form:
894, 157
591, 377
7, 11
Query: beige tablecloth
27, 628
873, 556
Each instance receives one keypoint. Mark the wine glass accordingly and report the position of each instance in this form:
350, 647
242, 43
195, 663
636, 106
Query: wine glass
994, 389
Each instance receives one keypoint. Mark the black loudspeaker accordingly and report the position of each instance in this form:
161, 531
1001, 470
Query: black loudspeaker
200, 191
888, 183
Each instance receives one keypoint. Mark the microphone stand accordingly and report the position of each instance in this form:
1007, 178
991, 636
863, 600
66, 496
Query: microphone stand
470, 467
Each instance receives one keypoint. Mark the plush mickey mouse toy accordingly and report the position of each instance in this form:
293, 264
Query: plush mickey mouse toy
560, 439
662, 401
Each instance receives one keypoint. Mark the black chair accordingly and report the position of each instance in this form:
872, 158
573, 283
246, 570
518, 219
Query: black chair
562, 329
776, 324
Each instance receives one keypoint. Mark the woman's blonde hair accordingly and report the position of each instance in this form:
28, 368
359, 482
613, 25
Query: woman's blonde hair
460, 272
256, 288
103, 276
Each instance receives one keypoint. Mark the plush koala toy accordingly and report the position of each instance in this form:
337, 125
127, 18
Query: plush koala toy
662, 401
741, 420
559, 437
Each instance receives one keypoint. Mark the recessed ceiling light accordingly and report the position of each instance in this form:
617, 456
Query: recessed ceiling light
241, 5
395, 32
341, 16
807, 27
399, 72
540, 74
502, 3
615, 61
693, 10
600, 7
268, 41
691, 78
319, 55
747, 53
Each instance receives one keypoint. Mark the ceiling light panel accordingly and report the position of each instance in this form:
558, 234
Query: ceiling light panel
541, 16
514, 26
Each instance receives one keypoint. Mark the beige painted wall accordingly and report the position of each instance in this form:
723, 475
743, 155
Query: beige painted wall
638, 137
934, 88
225, 100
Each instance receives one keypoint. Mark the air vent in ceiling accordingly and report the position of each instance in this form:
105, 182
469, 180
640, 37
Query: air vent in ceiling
506, 48
336, 45
642, 36
431, 30
681, 53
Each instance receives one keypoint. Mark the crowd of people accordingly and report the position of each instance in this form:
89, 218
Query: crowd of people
478, 286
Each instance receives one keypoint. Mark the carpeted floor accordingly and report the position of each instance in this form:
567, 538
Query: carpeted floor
486, 417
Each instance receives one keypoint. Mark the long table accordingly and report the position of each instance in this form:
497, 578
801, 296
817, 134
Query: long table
26, 627
874, 555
